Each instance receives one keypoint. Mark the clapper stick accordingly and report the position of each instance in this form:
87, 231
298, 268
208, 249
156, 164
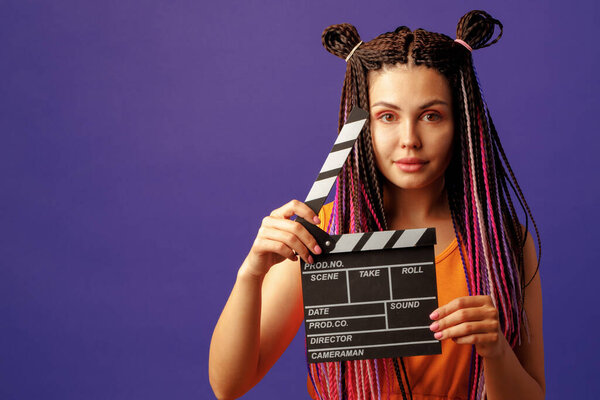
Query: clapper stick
329, 172
336, 158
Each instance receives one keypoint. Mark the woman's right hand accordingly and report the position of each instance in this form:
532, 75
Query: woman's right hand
279, 238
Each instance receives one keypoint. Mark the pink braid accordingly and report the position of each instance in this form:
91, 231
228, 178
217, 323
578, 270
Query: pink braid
388, 375
472, 281
357, 381
317, 381
331, 380
475, 236
369, 367
495, 230
377, 378
349, 380
352, 222
362, 380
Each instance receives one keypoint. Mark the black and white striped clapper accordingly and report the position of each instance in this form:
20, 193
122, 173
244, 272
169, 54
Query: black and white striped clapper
336, 158
368, 295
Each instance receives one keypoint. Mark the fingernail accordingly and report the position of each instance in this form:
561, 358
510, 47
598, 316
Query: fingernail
310, 260
317, 250
438, 335
434, 315
434, 327
317, 220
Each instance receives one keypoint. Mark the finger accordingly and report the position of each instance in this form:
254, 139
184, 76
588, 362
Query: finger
266, 245
464, 315
296, 229
457, 317
290, 240
296, 207
459, 303
466, 329
480, 338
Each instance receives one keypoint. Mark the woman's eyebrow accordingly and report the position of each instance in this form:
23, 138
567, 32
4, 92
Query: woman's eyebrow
393, 106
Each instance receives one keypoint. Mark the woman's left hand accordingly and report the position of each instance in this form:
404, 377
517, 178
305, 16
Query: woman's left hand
470, 320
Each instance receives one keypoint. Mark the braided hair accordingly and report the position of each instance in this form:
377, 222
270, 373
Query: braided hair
478, 182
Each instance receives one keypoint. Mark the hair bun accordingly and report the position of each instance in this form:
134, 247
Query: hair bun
340, 39
477, 28
402, 29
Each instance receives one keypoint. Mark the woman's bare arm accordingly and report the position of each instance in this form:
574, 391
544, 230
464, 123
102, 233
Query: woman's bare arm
473, 320
258, 323
520, 374
264, 309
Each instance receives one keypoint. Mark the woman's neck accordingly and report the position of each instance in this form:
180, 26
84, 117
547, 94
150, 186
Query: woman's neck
415, 208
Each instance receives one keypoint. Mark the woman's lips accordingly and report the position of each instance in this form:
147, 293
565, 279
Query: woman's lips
410, 164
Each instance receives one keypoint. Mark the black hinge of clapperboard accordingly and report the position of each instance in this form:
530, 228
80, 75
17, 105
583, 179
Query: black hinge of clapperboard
329, 171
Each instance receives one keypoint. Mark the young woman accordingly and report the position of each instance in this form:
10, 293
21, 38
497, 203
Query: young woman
429, 156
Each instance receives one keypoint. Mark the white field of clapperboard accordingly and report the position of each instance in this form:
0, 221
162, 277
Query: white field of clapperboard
368, 295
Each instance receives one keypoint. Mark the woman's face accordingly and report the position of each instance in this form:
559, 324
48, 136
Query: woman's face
412, 124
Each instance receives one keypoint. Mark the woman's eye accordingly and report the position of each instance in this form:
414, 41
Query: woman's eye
432, 117
387, 117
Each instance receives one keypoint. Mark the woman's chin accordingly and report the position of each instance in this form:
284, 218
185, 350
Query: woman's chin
414, 182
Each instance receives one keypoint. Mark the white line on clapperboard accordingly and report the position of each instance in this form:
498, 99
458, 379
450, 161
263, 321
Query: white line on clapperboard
348, 286
386, 316
391, 291
371, 302
350, 317
375, 345
357, 268
375, 330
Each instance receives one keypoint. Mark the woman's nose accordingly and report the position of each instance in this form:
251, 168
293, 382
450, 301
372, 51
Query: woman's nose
409, 137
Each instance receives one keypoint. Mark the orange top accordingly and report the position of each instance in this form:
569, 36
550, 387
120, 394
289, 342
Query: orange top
441, 376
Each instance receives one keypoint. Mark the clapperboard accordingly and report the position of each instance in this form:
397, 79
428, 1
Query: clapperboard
368, 295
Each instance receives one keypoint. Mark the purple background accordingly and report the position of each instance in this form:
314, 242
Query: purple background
142, 142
